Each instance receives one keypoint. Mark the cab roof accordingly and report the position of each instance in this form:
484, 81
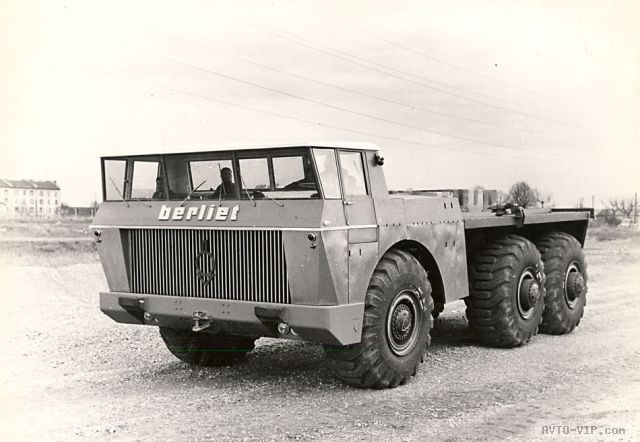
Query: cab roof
239, 147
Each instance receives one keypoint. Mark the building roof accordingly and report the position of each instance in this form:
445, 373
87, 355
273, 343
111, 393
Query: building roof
29, 184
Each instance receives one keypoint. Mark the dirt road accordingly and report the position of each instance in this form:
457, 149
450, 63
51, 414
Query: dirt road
70, 373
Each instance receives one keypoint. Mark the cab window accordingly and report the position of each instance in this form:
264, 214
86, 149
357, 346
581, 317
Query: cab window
284, 176
352, 171
207, 175
328, 172
147, 181
114, 177
255, 173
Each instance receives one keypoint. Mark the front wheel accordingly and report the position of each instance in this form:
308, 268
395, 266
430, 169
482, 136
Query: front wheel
395, 331
206, 349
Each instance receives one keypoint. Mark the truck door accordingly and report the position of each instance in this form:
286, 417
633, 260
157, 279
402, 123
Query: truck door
359, 210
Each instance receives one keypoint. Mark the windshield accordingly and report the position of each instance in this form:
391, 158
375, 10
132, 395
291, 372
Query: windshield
275, 174
278, 176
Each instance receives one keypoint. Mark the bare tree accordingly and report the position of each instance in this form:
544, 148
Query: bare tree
523, 194
544, 199
626, 206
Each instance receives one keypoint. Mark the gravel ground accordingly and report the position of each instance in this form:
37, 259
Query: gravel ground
70, 373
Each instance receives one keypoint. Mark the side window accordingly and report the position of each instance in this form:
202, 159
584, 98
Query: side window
114, 174
328, 171
352, 173
144, 179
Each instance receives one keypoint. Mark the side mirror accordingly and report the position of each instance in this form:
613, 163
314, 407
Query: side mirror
379, 159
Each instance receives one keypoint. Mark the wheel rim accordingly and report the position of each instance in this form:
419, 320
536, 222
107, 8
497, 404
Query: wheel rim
528, 294
573, 284
403, 322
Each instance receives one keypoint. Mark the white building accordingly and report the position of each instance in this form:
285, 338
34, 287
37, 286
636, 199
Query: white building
29, 198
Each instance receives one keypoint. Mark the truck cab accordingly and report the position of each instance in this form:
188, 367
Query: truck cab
240, 229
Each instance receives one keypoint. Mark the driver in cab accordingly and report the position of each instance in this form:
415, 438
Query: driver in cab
227, 189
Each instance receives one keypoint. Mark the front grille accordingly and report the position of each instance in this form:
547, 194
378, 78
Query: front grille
243, 265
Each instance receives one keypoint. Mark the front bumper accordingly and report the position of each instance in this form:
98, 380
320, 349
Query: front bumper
338, 325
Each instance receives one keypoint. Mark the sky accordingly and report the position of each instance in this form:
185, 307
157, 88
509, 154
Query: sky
456, 94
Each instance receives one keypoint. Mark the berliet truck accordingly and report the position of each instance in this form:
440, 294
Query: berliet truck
219, 248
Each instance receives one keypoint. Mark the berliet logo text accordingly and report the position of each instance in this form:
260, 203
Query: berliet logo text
205, 212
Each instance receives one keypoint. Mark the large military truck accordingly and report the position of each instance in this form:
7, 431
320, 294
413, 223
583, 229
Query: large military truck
219, 248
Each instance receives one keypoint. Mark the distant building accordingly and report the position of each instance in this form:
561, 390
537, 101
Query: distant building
29, 198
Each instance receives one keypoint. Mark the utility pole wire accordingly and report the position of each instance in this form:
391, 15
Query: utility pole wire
435, 58
363, 94
331, 106
318, 47
314, 123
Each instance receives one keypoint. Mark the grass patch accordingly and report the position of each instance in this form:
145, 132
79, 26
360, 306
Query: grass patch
48, 254
605, 232
45, 228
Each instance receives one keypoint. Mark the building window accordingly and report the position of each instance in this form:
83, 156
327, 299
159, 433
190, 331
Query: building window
31, 192
56, 202
31, 201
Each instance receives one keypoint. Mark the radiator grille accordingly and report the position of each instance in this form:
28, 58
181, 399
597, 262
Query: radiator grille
244, 265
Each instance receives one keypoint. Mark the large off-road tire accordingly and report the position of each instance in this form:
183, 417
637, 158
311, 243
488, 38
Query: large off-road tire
206, 349
506, 291
566, 270
395, 330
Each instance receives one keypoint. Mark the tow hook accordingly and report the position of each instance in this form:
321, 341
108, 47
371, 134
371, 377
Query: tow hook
201, 320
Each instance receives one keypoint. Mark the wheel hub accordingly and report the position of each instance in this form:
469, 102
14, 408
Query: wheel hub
574, 285
528, 294
403, 322
531, 294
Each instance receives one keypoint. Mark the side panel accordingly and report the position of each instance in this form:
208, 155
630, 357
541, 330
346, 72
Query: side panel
334, 274
437, 224
303, 264
112, 257
362, 260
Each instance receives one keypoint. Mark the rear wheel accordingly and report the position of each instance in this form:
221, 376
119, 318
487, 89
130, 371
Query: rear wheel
206, 349
506, 291
395, 331
566, 270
